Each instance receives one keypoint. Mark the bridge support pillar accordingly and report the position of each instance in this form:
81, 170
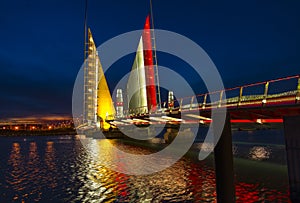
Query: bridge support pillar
224, 164
170, 135
292, 142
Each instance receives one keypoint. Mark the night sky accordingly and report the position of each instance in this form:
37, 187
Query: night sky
41, 43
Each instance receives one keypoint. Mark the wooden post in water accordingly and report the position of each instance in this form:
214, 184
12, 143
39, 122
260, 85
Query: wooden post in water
292, 143
224, 164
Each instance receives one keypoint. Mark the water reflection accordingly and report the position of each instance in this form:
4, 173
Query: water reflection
206, 147
61, 170
184, 181
172, 184
259, 153
51, 166
33, 176
16, 177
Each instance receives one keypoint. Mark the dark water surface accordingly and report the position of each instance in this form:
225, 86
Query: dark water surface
60, 169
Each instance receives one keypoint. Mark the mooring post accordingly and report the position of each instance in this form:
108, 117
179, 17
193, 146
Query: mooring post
292, 143
224, 164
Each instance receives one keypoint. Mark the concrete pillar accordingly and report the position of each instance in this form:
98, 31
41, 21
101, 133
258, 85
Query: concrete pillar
224, 164
170, 135
292, 142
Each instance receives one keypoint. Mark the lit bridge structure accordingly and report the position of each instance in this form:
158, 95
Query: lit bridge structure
263, 104
269, 104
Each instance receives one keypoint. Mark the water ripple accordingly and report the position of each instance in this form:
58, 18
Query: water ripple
62, 170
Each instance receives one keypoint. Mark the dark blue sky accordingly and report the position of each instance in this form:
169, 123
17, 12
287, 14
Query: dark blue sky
41, 43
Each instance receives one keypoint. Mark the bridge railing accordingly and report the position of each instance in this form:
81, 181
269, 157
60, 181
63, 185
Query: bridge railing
279, 91
284, 90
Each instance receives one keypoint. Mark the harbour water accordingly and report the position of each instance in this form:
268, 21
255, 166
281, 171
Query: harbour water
60, 169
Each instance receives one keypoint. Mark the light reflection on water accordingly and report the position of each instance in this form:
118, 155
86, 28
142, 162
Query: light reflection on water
259, 153
57, 169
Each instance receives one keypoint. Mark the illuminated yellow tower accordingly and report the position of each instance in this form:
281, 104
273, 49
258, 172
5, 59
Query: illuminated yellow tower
98, 100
